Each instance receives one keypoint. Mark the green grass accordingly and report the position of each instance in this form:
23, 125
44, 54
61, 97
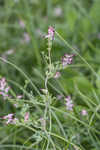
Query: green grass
77, 30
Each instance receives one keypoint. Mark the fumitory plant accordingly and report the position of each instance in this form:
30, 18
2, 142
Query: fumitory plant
37, 113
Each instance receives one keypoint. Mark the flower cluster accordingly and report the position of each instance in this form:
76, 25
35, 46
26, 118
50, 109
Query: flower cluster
84, 112
4, 88
69, 103
10, 119
67, 59
57, 75
50, 34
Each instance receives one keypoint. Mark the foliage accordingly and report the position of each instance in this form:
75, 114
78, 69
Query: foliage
37, 100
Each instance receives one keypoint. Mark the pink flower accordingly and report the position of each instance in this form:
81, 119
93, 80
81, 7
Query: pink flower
69, 104
7, 89
9, 116
51, 32
26, 117
4, 89
19, 96
84, 112
57, 75
10, 119
67, 59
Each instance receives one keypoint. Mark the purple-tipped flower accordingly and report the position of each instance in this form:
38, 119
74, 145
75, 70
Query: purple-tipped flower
10, 119
7, 89
19, 96
67, 59
9, 116
26, 117
69, 103
50, 34
4, 88
84, 112
57, 75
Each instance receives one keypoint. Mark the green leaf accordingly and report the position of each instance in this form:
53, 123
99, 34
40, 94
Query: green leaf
83, 84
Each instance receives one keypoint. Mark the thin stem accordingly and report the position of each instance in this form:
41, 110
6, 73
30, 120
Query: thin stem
46, 81
59, 123
49, 55
47, 103
75, 50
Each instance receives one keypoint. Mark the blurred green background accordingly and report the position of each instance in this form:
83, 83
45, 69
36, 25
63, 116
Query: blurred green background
23, 25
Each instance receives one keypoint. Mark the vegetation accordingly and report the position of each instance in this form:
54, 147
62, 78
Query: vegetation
49, 75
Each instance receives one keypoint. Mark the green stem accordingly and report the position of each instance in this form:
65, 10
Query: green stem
75, 50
